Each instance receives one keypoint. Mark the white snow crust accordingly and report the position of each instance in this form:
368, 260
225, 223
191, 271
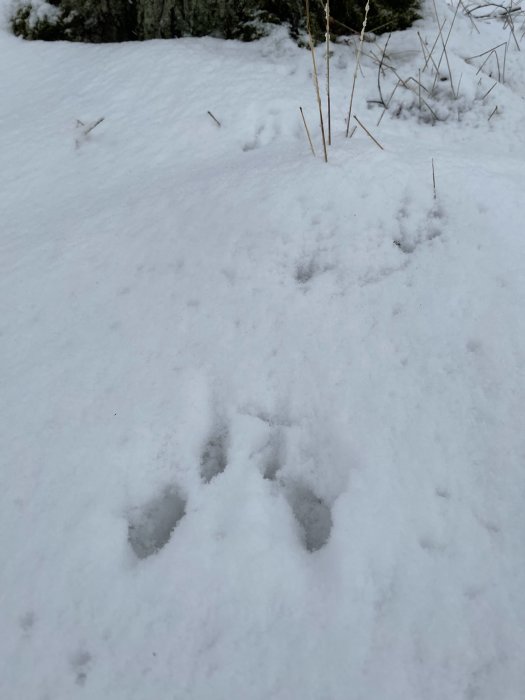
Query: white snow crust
262, 426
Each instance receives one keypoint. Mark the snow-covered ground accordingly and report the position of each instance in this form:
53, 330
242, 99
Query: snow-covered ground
262, 418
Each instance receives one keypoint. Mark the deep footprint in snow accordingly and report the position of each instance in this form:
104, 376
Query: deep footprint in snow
214, 457
150, 527
312, 513
272, 458
27, 621
426, 232
306, 270
80, 664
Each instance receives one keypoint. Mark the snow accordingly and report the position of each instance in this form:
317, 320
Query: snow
261, 417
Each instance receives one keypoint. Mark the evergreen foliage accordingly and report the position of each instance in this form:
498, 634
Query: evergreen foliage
126, 20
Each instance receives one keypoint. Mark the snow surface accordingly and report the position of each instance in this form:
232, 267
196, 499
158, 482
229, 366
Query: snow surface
262, 418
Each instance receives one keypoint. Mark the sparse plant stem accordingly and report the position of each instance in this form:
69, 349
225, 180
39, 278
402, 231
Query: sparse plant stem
368, 133
418, 83
434, 179
423, 49
93, 126
433, 48
345, 26
509, 20
328, 100
86, 129
316, 77
488, 51
497, 63
435, 116
399, 82
493, 112
469, 16
379, 70
489, 91
307, 132
361, 39
444, 52
483, 64
214, 119
494, 14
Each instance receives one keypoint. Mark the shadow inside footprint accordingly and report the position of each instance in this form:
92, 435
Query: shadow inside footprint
271, 466
80, 663
406, 246
305, 271
150, 527
214, 458
272, 457
313, 515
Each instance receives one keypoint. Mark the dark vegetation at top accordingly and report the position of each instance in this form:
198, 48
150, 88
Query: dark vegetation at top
128, 20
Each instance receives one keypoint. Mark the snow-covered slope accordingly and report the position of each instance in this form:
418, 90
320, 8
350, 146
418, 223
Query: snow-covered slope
261, 418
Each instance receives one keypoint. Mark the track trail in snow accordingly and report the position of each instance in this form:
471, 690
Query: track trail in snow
261, 417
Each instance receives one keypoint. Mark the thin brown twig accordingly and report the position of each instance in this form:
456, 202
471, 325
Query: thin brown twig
469, 16
497, 63
93, 126
328, 99
388, 102
422, 43
369, 134
479, 55
316, 77
444, 52
505, 8
487, 59
511, 25
345, 26
374, 30
436, 118
489, 91
380, 69
215, 119
361, 39
433, 47
417, 82
307, 132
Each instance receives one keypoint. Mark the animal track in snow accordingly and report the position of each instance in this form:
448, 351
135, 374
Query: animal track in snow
80, 663
442, 492
432, 544
307, 269
150, 527
312, 513
214, 457
410, 237
268, 130
271, 461
376, 276
27, 622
